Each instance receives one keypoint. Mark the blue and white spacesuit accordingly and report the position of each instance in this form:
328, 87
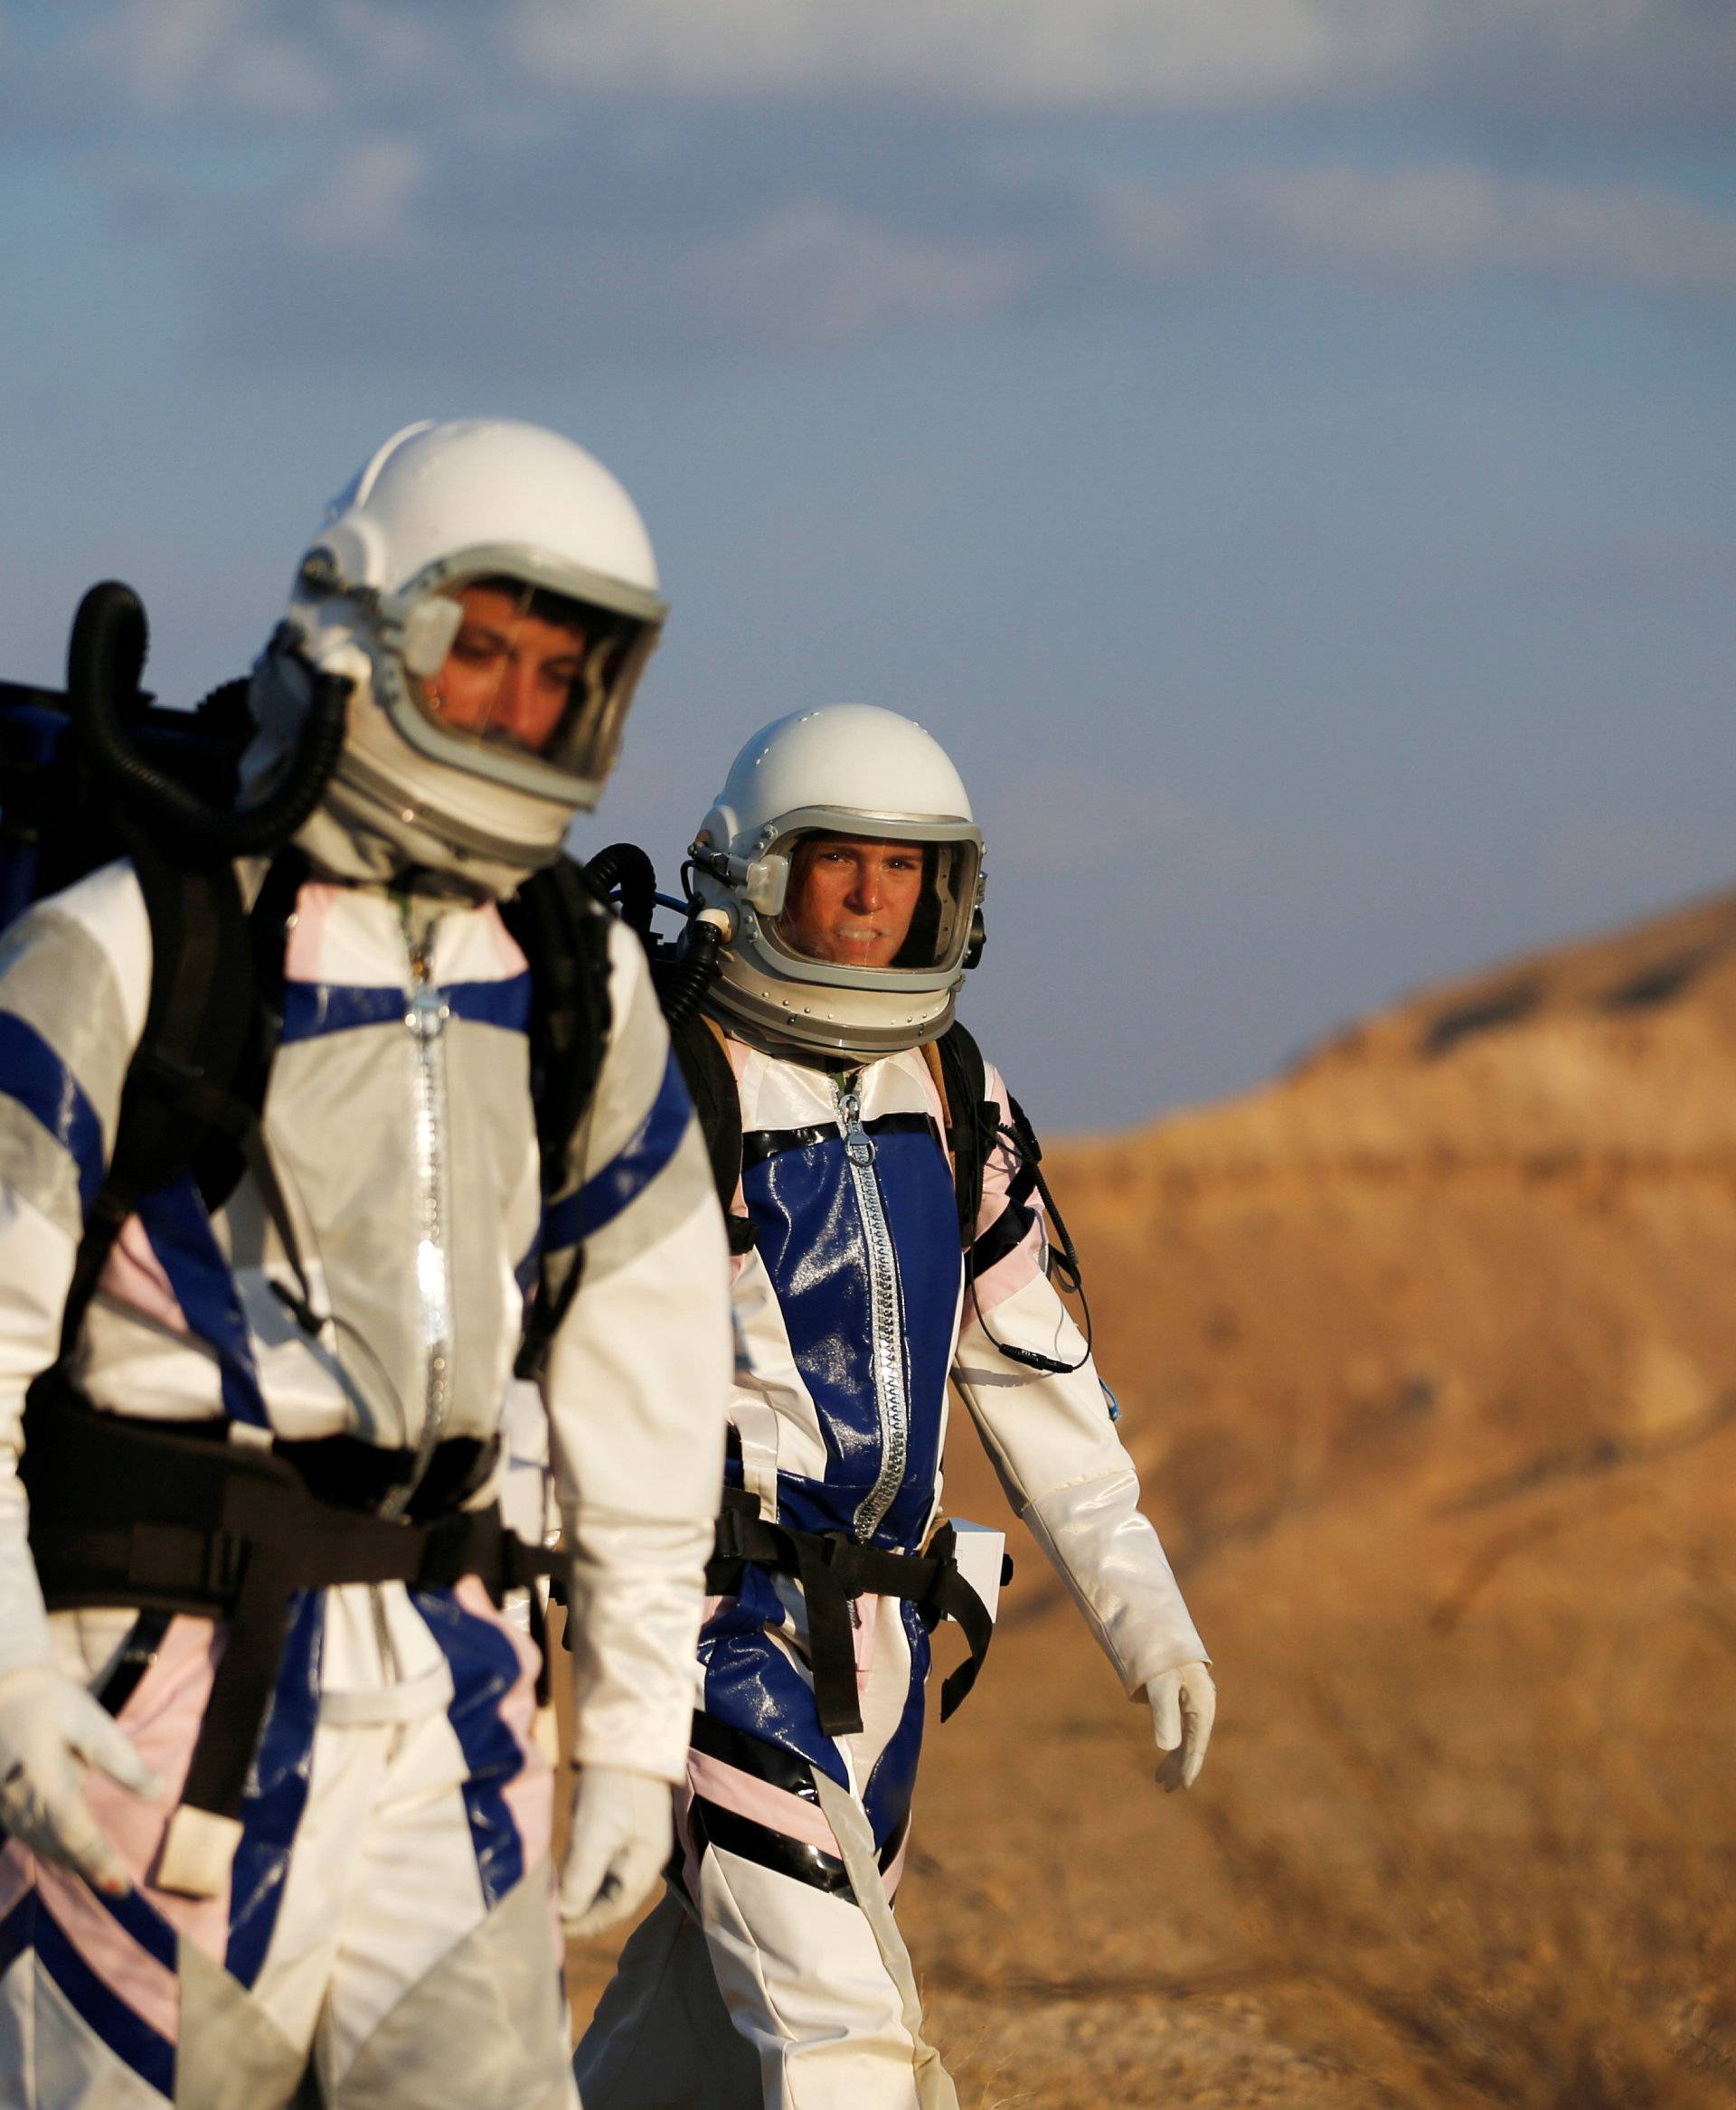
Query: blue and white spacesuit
773, 1971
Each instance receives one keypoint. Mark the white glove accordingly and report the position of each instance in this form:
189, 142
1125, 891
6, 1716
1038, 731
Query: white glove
49, 1729
623, 1828
1183, 1706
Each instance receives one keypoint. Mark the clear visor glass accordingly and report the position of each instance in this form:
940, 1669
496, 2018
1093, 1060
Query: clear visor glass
497, 663
866, 902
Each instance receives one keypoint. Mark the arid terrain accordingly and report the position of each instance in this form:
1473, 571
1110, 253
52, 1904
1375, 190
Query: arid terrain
1428, 1355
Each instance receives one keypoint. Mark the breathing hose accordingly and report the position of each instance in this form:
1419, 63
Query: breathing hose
684, 970
623, 866
104, 661
682, 990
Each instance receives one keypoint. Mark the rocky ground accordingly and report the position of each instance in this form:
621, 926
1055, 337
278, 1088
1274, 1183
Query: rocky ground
1428, 1357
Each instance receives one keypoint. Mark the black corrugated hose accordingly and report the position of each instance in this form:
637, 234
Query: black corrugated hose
104, 661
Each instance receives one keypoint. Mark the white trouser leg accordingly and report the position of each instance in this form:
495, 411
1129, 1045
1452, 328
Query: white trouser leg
809, 1987
436, 2002
813, 1974
355, 1920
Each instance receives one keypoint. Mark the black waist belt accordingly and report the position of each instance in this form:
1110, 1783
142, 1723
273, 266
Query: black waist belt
834, 1571
135, 1513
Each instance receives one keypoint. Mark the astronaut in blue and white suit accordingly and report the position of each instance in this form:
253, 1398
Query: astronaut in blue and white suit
842, 858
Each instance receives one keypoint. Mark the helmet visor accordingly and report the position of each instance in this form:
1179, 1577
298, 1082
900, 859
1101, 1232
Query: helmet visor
500, 666
871, 903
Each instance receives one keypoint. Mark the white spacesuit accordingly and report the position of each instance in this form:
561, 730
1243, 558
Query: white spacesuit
362, 1877
842, 859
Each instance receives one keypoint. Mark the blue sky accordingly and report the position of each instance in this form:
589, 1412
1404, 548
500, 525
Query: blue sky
1283, 448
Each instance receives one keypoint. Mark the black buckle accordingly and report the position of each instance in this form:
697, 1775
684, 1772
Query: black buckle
738, 1518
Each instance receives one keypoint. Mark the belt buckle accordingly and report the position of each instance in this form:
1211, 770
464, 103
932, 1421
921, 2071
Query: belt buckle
729, 1533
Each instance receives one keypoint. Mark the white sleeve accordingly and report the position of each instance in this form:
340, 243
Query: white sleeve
70, 1015
1051, 1439
637, 1392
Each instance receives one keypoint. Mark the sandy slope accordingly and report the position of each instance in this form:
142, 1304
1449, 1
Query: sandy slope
1429, 1356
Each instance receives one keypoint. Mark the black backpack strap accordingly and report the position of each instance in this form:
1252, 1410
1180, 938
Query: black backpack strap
710, 1083
973, 1122
178, 1111
194, 1088
562, 929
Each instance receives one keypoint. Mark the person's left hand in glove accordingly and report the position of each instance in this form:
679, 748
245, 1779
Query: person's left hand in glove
623, 1828
1183, 1705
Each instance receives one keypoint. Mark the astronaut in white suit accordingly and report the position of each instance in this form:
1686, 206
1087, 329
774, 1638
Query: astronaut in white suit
327, 1335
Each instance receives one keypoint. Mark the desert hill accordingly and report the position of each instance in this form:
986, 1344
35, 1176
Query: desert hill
1428, 1357
1428, 1352
1488, 1233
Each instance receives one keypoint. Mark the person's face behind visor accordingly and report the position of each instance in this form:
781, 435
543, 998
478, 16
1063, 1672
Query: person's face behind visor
509, 676
851, 898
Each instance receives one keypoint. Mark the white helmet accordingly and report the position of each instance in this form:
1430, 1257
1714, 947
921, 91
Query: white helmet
544, 531
855, 772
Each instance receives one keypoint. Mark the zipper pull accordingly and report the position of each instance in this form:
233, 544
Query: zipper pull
858, 1147
428, 1011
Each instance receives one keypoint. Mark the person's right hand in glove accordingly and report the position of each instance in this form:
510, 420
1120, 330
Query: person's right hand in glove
51, 1729
1183, 1706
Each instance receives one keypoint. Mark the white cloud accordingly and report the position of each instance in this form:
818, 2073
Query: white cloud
1010, 53
1616, 61
159, 48
811, 272
397, 50
1620, 58
1443, 222
364, 210
171, 54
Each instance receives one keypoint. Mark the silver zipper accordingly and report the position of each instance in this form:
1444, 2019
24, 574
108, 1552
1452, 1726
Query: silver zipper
425, 1016
888, 1359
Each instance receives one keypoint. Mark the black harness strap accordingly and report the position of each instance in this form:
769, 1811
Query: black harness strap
562, 930
1009, 1229
832, 1567
1064, 1257
196, 1082
834, 1571
711, 1085
760, 1143
973, 1125
197, 1024
170, 1517
974, 1128
293, 1542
